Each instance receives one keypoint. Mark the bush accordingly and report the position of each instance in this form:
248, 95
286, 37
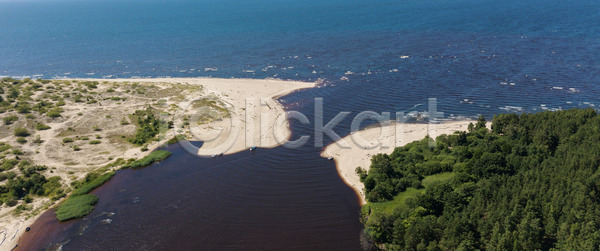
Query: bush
54, 113
95, 142
76, 207
97, 129
76, 148
11, 202
23, 108
21, 140
38, 139
155, 156
67, 140
10, 119
21, 132
41, 127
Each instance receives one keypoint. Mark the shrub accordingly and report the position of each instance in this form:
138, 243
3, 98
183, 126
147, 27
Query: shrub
97, 128
21, 140
54, 113
155, 156
76, 207
67, 140
23, 108
10, 119
41, 127
21, 132
17, 152
38, 139
76, 148
95, 142
11, 202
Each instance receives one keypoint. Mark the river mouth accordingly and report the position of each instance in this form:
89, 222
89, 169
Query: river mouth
264, 199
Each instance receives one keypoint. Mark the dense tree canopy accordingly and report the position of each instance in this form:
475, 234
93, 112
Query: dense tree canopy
532, 182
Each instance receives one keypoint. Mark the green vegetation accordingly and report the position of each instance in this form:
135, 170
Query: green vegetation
532, 183
10, 119
148, 126
41, 127
31, 182
76, 207
67, 140
176, 138
54, 113
80, 203
155, 156
91, 182
95, 142
21, 132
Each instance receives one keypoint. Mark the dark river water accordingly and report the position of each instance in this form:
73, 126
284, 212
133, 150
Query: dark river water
265, 199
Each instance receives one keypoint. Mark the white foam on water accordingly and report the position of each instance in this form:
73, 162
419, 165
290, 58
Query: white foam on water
511, 108
404, 56
557, 88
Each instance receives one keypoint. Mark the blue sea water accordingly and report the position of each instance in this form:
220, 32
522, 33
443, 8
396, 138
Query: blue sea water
476, 57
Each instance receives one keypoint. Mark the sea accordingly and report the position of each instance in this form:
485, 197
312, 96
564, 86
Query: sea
475, 57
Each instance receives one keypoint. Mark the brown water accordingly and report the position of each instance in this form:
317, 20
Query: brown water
266, 199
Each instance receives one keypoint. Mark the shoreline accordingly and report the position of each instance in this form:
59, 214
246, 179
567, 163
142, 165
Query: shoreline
370, 141
238, 95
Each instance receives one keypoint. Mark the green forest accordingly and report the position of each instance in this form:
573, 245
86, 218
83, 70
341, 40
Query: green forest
532, 182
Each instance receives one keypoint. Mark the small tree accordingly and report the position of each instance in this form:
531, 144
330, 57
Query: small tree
480, 122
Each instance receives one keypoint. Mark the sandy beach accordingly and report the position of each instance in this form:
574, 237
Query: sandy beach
356, 150
244, 113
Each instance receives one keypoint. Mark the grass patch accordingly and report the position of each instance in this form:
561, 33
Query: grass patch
428, 180
155, 156
80, 203
89, 186
76, 207
387, 207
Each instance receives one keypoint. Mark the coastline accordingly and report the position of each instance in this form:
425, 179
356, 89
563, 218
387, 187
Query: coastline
239, 95
362, 145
